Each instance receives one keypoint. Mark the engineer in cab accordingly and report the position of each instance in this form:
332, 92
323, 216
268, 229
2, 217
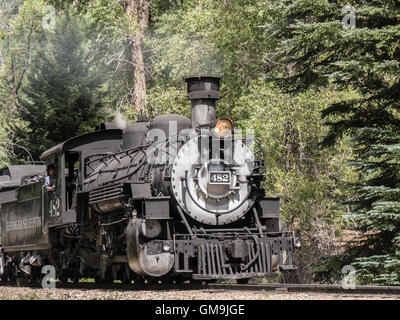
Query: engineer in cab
50, 180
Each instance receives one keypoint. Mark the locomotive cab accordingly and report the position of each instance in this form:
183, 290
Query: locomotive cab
69, 158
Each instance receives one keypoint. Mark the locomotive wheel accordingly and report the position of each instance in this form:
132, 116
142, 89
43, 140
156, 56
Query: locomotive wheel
243, 281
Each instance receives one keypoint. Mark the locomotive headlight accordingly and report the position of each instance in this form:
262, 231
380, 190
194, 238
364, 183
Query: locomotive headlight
166, 247
223, 127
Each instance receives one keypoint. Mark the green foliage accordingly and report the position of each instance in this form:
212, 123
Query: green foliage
298, 170
22, 33
179, 46
366, 58
109, 29
4, 98
3, 136
210, 37
60, 98
164, 100
65, 4
20, 36
377, 205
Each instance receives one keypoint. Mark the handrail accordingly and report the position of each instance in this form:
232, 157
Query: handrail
43, 187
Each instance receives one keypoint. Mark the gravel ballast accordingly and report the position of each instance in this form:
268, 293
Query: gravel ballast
23, 293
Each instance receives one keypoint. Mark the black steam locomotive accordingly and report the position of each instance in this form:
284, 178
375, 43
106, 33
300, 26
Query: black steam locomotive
169, 200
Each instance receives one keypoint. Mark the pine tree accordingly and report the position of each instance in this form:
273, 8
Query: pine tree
354, 45
60, 98
377, 206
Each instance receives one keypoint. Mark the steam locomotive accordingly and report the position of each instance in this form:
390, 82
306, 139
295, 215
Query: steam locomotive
170, 200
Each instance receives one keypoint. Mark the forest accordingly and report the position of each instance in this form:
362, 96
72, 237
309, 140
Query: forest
318, 81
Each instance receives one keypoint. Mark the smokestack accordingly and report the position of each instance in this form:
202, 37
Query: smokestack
203, 92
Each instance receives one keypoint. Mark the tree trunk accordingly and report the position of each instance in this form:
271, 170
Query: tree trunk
139, 11
2, 62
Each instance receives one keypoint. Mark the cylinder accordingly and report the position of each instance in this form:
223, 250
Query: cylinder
145, 257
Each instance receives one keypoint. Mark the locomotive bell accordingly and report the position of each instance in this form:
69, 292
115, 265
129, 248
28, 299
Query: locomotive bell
203, 92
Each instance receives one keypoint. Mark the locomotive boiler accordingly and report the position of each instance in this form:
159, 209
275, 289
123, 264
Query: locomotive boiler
171, 199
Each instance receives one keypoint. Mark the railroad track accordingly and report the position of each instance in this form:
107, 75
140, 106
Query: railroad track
304, 288
320, 288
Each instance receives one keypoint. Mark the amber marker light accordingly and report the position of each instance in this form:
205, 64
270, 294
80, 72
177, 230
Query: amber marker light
223, 127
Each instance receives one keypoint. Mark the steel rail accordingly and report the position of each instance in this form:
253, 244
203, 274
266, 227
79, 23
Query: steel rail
320, 288
317, 288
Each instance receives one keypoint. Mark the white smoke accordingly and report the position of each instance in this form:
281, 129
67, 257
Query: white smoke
120, 120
